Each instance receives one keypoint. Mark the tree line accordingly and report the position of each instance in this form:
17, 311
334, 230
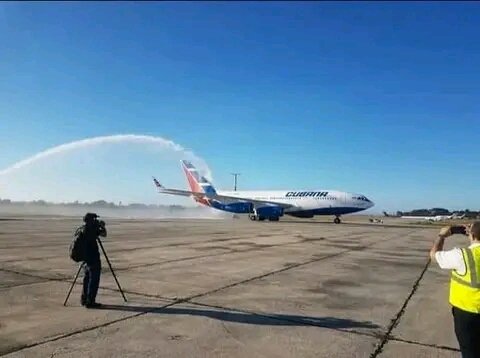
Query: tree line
97, 204
439, 211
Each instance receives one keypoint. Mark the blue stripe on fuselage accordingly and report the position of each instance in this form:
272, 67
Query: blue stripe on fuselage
329, 211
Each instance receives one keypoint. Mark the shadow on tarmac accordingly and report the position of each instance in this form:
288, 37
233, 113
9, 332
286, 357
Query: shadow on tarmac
265, 319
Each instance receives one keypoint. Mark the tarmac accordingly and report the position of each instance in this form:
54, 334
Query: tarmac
228, 288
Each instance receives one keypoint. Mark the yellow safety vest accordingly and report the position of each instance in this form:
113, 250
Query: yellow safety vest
465, 289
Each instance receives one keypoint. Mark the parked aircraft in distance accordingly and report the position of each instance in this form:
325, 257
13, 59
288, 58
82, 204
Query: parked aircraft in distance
271, 205
435, 218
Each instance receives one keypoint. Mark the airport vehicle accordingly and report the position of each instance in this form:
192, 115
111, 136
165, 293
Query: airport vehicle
271, 205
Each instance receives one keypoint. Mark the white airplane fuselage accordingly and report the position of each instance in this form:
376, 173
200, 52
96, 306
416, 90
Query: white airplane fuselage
309, 202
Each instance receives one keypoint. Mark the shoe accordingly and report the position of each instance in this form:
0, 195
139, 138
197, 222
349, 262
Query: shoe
93, 305
83, 301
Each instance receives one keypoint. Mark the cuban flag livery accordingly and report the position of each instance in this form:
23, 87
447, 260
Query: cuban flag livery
268, 205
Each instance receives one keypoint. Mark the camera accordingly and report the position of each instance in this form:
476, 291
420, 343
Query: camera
100, 226
458, 229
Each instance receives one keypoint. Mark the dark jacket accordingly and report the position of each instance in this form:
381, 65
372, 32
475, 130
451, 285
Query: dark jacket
92, 232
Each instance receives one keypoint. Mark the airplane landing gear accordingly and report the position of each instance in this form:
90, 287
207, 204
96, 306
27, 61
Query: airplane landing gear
337, 220
254, 217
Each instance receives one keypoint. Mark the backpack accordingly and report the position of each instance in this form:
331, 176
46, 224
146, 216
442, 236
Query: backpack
78, 245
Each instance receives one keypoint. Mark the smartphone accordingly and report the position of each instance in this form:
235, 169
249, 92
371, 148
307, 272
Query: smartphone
458, 229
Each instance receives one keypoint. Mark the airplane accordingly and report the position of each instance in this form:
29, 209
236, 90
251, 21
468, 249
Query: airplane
435, 218
426, 218
271, 205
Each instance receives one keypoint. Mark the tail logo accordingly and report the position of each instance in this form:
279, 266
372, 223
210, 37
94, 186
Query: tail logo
157, 184
197, 183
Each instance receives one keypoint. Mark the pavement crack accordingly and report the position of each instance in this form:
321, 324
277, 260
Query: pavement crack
192, 297
87, 329
188, 258
285, 318
33, 275
398, 316
396, 339
293, 266
24, 284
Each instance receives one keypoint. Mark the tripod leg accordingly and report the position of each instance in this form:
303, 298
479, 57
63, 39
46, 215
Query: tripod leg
73, 284
111, 269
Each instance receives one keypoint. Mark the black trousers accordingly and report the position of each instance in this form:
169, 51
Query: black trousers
467, 329
91, 281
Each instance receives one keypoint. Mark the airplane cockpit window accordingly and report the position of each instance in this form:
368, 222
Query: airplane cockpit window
362, 198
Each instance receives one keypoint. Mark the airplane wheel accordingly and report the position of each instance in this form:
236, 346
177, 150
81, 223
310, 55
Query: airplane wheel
337, 220
275, 218
253, 217
261, 218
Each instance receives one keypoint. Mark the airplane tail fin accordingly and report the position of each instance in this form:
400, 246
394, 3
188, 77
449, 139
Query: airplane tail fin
157, 184
197, 182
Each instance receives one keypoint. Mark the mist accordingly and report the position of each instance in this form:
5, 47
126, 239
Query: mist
117, 169
33, 209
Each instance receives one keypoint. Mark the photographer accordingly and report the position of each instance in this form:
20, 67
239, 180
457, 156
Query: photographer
92, 229
464, 284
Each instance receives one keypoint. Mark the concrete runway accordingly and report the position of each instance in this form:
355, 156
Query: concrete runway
227, 288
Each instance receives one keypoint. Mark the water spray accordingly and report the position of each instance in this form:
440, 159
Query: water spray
95, 141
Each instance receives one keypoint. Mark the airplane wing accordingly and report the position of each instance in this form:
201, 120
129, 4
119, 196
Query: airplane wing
215, 196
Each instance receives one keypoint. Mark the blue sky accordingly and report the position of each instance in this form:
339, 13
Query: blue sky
377, 98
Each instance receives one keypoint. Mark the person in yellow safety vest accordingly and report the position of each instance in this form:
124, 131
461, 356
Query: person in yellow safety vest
464, 285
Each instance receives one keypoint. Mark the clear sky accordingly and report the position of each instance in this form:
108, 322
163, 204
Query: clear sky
377, 98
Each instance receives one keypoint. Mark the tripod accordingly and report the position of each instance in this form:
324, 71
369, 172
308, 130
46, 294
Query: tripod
111, 270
